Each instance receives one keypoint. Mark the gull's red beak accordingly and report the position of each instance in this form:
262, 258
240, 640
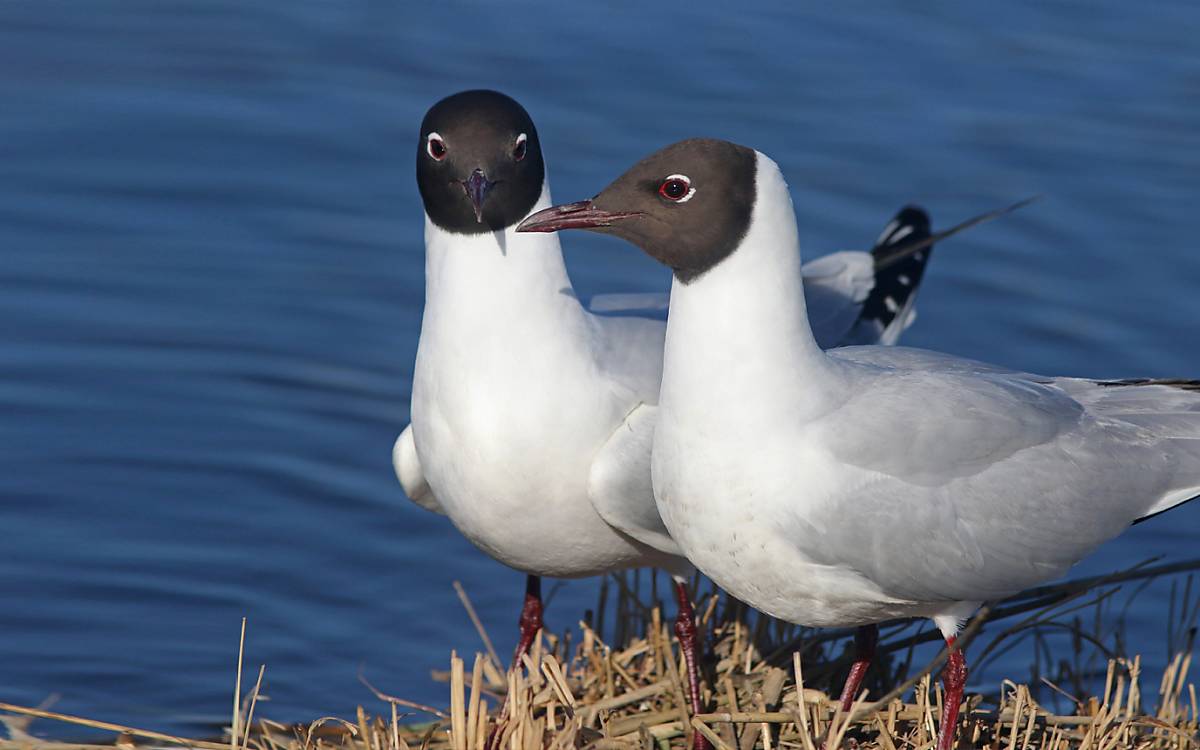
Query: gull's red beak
580, 215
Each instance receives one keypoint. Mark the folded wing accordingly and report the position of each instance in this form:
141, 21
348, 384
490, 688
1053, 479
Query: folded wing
408, 471
974, 483
619, 482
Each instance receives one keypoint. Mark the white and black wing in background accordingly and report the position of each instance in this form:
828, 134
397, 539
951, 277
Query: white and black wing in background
835, 287
850, 294
889, 308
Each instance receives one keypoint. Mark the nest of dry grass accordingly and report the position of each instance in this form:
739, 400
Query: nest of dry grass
762, 680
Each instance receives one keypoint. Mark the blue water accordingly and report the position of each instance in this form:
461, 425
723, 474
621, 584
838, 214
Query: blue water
211, 284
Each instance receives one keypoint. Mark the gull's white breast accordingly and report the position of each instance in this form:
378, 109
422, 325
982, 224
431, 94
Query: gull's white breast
511, 403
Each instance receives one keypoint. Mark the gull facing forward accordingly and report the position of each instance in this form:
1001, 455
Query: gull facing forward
863, 484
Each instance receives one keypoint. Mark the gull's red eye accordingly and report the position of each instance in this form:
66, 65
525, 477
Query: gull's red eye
677, 188
519, 148
435, 146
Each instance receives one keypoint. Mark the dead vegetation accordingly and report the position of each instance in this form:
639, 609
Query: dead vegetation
765, 685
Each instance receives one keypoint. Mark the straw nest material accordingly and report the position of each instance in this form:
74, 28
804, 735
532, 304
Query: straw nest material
766, 687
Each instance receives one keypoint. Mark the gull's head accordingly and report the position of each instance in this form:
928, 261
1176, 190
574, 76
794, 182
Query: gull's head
479, 162
687, 205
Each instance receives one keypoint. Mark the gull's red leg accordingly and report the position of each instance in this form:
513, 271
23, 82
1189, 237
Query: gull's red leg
531, 623
531, 617
685, 631
865, 639
954, 678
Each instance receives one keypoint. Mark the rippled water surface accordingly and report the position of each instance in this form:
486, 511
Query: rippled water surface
211, 284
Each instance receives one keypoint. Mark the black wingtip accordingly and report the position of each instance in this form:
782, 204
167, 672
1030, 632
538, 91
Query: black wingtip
909, 223
1183, 384
901, 254
1158, 513
897, 274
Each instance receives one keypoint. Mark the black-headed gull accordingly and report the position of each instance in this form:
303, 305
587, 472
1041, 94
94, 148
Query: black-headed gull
519, 388
867, 483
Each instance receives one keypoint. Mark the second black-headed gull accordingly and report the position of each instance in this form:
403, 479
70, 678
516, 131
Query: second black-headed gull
862, 484
519, 389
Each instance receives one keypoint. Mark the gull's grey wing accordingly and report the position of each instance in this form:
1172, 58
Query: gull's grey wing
925, 425
909, 358
408, 471
630, 351
619, 482
974, 484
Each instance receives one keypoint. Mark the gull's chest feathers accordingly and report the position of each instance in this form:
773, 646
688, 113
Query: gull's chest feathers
503, 371
510, 405
505, 410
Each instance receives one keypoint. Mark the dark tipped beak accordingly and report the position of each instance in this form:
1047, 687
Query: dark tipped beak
478, 186
581, 215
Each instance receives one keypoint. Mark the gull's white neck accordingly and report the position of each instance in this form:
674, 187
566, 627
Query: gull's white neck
738, 337
492, 282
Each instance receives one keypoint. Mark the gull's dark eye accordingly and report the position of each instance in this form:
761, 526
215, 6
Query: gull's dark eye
677, 188
519, 148
435, 146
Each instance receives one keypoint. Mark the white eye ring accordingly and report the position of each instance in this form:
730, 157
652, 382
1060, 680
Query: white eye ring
682, 178
519, 146
429, 140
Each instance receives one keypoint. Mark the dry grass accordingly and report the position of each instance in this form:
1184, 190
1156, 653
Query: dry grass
577, 691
